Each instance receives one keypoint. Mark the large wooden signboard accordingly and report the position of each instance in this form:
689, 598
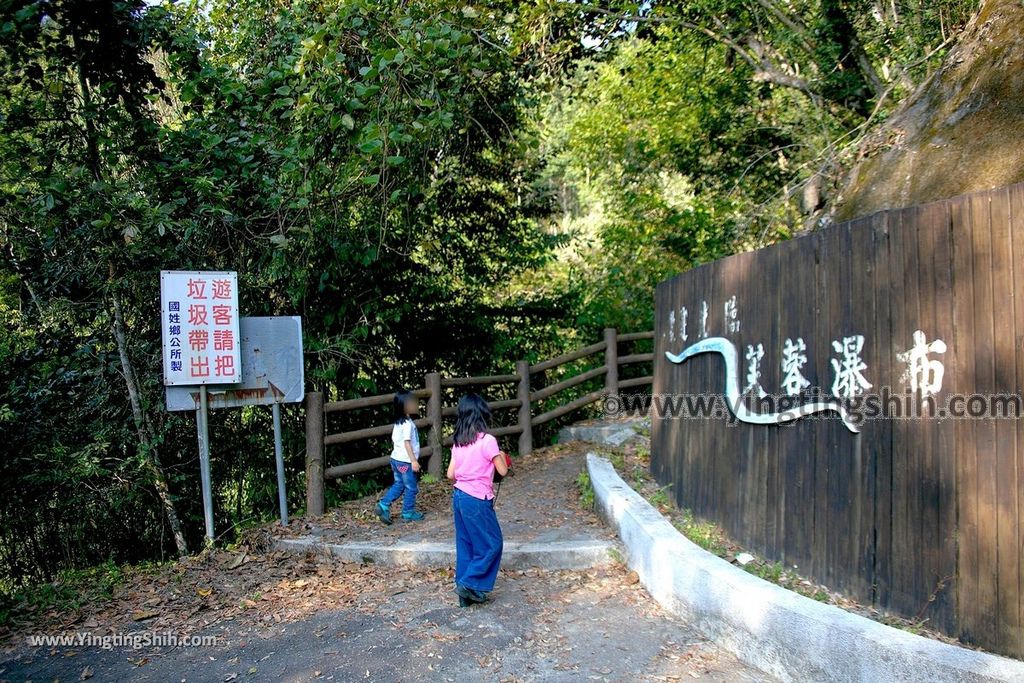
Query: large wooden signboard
834, 339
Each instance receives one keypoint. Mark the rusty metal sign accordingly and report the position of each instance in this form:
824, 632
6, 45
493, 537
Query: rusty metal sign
272, 368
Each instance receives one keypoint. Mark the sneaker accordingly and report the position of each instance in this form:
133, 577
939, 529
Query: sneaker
384, 512
469, 596
413, 516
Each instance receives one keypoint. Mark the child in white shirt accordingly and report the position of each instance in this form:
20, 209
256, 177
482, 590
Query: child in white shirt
405, 456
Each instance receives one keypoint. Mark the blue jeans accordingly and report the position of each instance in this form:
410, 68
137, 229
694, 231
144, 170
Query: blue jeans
405, 481
478, 542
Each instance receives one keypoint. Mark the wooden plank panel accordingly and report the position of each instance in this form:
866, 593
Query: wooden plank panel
915, 430
820, 352
713, 380
984, 430
750, 441
838, 454
838, 328
752, 457
767, 438
692, 381
791, 313
748, 473
666, 449
963, 349
880, 430
1007, 530
906, 473
921, 431
719, 491
755, 440
859, 450
1016, 198
938, 434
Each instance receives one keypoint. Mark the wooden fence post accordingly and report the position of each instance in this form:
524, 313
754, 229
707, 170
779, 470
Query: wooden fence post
611, 361
432, 381
314, 453
523, 394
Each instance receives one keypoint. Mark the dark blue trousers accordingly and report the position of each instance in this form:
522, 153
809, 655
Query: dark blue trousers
478, 542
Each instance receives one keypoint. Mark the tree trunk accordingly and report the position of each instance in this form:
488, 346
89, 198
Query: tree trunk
146, 442
852, 58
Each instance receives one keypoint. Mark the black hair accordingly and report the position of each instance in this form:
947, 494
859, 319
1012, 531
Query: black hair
400, 398
473, 417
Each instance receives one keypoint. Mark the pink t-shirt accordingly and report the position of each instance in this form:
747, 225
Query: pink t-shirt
474, 466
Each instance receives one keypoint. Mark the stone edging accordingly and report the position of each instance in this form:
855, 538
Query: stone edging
555, 555
773, 629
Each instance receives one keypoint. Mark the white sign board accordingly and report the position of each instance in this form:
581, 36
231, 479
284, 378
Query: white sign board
272, 368
199, 319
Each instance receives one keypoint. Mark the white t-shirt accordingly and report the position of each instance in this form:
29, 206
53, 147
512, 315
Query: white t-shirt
400, 433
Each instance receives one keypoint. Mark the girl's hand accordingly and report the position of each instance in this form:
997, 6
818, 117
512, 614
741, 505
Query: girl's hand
415, 465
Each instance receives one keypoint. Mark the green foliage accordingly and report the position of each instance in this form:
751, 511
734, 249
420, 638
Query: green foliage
586, 490
432, 187
646, 160
357, 164
769, 571
705, 534
660, 499
704, 128
618, 460
71, 590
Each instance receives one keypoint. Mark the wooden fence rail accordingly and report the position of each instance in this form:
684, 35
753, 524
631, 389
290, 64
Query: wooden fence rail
433, 387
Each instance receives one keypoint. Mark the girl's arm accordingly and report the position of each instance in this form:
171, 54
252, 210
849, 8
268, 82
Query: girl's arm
451, 469
412, 455
500, 463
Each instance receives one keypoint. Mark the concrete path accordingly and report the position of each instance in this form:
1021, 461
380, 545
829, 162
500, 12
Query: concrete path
310, 616
539, 510
541, 626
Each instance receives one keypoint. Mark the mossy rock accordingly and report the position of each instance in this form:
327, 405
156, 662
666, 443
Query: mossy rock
960, 132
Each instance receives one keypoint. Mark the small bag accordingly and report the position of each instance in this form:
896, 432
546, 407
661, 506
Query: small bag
508, 463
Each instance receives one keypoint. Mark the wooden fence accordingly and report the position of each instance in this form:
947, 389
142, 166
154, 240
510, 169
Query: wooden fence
920, 517
527, 393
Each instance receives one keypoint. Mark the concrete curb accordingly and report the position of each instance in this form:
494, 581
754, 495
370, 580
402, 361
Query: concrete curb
780, 632
555, 555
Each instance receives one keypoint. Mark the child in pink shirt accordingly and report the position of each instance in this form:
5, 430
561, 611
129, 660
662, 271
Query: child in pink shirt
478, 540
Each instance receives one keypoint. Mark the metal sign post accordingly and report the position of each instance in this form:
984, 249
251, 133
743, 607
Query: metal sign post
282, 499
202, 425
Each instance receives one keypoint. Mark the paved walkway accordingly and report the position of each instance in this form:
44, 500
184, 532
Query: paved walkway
309, 617
541, 626
539, 504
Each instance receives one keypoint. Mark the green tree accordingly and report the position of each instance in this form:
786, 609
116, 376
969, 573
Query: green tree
357, 164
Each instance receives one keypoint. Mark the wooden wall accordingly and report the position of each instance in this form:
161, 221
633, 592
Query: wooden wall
918, 517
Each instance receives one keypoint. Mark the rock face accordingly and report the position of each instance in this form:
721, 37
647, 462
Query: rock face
962, 131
